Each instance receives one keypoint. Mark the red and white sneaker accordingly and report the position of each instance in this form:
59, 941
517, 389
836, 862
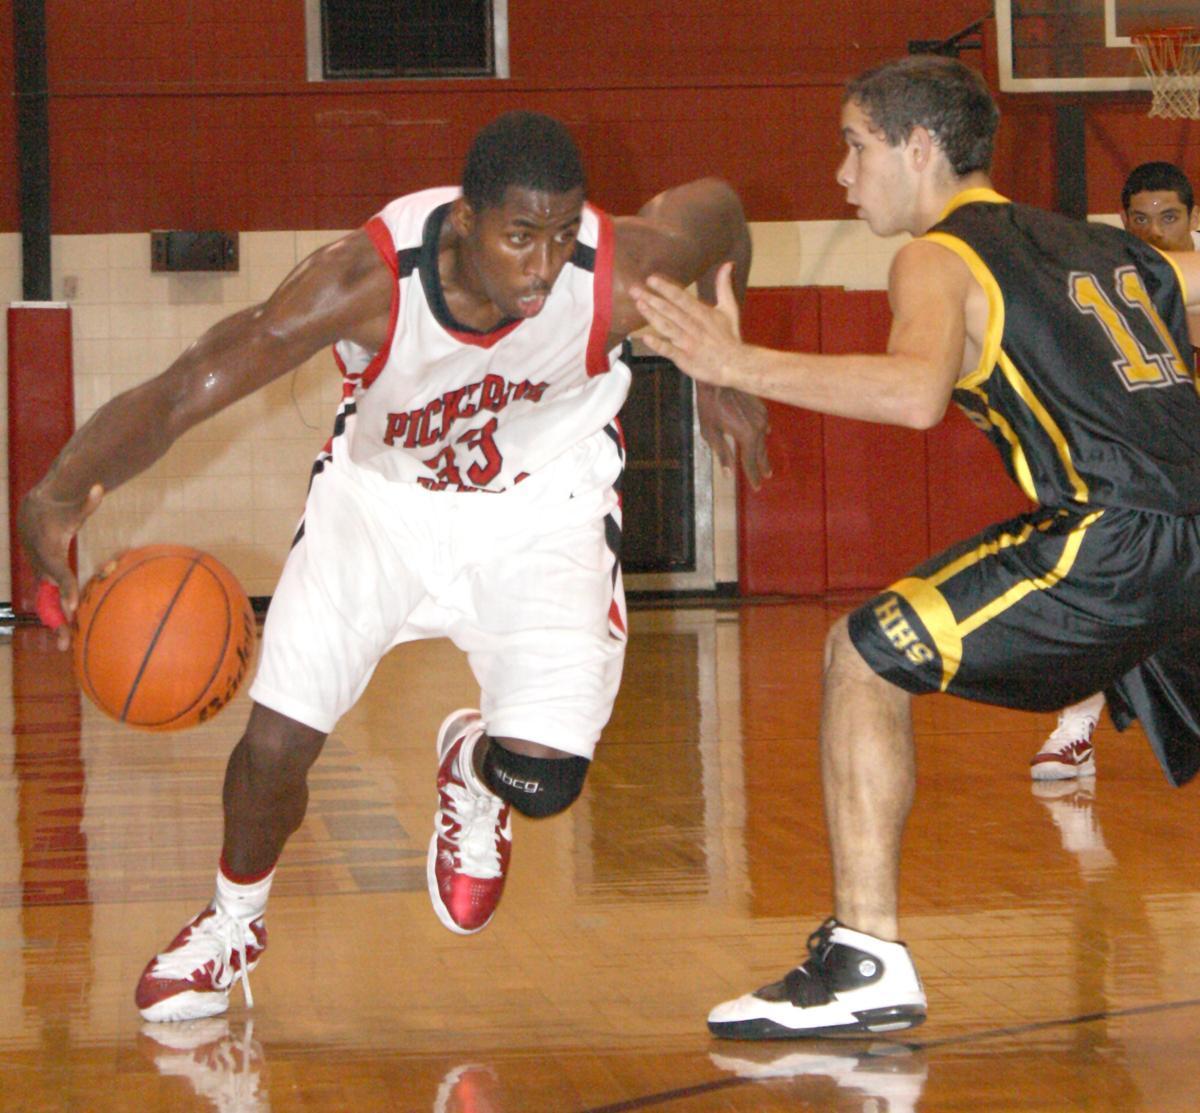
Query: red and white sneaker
1068, 751
472, 838
193, 976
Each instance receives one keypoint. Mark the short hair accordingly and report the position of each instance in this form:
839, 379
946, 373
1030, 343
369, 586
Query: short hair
935, 92
1158, 176
524, 149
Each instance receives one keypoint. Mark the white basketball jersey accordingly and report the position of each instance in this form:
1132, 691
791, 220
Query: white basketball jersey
451, 408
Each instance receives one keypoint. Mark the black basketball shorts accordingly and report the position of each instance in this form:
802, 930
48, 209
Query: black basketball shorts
1044, 609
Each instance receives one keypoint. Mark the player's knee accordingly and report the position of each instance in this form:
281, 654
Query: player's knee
838, 644
535, 786
276, 745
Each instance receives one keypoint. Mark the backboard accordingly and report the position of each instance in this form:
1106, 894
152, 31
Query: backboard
1079, 46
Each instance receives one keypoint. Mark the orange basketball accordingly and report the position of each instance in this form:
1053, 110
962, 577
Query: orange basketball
164, 640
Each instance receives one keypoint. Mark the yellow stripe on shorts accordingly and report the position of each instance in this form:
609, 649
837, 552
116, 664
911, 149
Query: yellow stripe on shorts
934, 611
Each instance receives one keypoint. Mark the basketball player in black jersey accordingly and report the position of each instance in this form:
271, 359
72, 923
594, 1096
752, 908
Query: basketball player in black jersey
1158, 205
1066, 343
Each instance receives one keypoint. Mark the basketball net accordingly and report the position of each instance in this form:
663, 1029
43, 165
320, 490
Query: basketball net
1171, 59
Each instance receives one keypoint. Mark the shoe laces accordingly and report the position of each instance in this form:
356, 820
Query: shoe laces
1071, 729
819, 939
811, 983
214, 940
477, 815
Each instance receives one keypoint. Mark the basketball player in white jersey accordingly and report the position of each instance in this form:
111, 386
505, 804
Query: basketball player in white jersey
469, 490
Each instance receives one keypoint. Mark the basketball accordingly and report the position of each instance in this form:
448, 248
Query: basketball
164, 640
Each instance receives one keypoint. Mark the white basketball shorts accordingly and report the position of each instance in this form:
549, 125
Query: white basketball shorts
525, 582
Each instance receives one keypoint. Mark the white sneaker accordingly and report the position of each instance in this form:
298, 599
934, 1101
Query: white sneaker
850, 982
1068, 750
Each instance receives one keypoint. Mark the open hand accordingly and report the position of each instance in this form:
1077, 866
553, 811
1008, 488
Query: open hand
701, 340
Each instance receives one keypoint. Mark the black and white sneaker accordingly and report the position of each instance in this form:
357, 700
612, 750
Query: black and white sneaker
850, 983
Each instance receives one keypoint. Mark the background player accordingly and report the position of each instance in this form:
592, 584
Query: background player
469, 490
1066, 342
1158, 206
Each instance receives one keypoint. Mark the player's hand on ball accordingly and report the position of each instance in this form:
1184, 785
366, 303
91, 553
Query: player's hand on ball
46, 527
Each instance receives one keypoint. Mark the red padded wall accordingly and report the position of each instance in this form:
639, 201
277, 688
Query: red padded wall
40, 416
200, 114
853, 506
968, 486
781, 526
876, 517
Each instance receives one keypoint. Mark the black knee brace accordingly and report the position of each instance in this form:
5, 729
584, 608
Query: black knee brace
535, 786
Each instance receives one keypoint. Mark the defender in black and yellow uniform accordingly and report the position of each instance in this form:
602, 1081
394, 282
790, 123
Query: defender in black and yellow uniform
1066, 343
1084, 387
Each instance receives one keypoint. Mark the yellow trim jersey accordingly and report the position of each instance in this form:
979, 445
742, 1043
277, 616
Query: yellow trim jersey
1085, 382
1082, 386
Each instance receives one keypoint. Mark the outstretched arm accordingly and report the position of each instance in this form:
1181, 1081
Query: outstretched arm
688, 233
341, 291
909, 385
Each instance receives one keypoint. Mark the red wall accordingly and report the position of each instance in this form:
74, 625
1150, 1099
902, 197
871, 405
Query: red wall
196, 113
852, 506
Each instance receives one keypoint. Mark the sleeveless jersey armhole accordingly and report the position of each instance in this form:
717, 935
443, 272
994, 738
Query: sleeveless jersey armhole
602, 298
381, 237
1183, 289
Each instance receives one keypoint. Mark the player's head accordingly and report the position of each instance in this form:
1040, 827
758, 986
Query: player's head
524, 149
926, 115
1159, 206
523, 191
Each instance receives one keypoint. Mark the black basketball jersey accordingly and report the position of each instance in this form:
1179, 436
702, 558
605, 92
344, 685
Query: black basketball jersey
1085, 383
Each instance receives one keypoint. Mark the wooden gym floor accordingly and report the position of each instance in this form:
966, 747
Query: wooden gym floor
1056, 931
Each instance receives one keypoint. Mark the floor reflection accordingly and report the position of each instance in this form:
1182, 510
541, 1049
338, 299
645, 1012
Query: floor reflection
222, 1063
1054, 928
879, 1077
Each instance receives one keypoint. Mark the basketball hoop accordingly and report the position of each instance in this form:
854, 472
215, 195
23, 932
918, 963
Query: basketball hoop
1171, 59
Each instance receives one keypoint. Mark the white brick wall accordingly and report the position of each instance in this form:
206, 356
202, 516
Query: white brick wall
235, 486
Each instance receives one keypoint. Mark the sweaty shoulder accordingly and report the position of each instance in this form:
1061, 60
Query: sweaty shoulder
345, 284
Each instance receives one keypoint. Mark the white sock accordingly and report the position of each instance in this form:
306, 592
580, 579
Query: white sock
245, 902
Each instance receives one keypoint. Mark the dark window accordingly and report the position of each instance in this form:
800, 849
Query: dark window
407, 38
658, 498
